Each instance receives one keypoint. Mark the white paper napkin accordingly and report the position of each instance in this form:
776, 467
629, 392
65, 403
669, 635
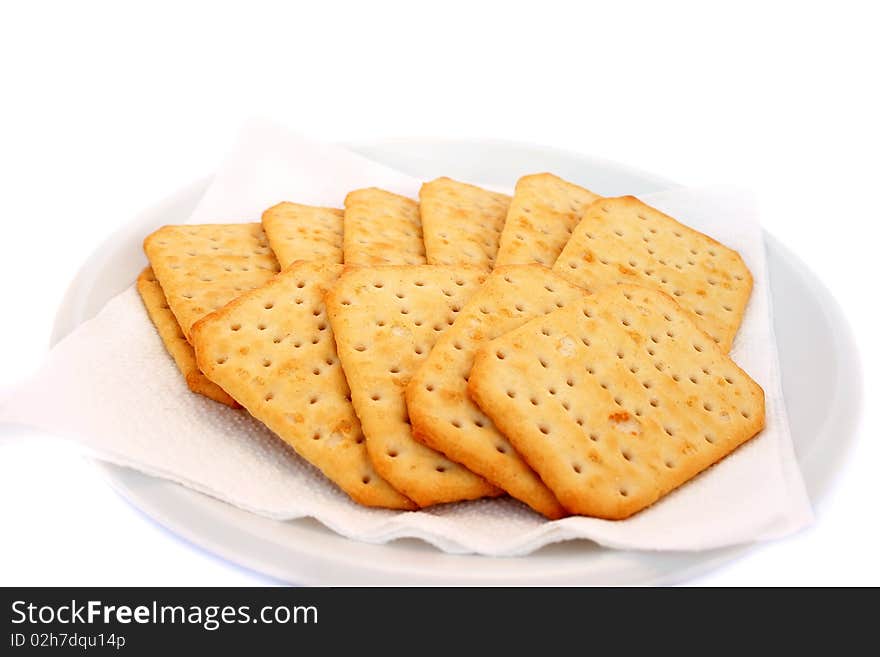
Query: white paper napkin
111, 387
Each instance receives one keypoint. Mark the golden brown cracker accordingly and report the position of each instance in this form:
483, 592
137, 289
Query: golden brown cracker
461, 223
273, 350
303, 232
543, 213
381, 228
201, 267
386, 319
175, 342
616, 400
622, 240
444, 417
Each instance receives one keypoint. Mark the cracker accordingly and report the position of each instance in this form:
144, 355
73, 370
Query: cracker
461, 223
543, 213
444, 417
386, 319
303, 232
616, 400
273, 350
175, 343
622, 240
201, 267
381, 228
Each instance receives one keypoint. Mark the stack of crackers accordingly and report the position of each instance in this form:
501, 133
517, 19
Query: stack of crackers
556, 346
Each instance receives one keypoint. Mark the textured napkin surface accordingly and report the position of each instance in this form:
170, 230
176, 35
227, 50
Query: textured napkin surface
111, 387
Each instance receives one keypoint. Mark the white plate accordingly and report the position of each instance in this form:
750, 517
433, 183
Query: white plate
820, 369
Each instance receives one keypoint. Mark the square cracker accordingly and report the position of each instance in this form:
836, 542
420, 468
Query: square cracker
622, 240
444, 417
543, 213
303, 232
201, 267
175, 343
616, 400
273, 349
461, 223
386, 319
381, 228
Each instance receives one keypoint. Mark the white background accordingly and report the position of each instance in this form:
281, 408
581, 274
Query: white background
106, 108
